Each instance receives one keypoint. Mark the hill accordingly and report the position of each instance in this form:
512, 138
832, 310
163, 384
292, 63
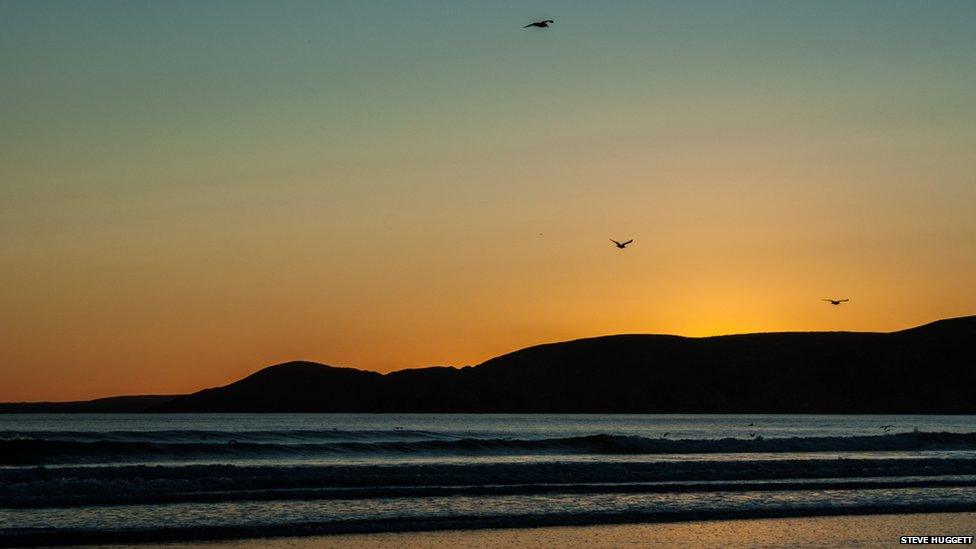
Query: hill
928, 369
119, 404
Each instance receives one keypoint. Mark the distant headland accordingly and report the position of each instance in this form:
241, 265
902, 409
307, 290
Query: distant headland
929, 369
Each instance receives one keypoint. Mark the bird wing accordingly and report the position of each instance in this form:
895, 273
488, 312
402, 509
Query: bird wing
529, 25
615, 242
628, 242
843, 300
830, 300
548, 21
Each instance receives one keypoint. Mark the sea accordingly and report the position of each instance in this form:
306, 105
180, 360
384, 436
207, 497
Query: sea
105, 478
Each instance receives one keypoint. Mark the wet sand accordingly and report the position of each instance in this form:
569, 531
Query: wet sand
838, 531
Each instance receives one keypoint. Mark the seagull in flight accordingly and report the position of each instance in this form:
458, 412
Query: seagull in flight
835, 301
540, 24
621, 245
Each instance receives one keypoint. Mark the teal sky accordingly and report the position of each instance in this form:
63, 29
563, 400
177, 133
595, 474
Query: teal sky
204, 187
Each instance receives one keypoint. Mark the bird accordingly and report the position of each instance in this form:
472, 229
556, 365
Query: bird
752, 435
665, 435
540, 24
886, 428
621, 245
752, 425
835, 301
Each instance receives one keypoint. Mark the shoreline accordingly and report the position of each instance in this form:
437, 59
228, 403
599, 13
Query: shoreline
279, 534
879, 530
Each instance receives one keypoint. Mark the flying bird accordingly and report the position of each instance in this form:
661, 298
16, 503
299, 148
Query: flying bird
835, 301
540, 24
665, 435
621, 245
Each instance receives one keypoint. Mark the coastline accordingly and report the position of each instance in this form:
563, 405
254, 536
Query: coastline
933, 520
869, 530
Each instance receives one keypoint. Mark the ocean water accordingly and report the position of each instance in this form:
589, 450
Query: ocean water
143, 477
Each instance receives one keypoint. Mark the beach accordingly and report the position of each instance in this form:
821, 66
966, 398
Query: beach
847, 531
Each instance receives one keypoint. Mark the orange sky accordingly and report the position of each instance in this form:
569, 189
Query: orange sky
182, 208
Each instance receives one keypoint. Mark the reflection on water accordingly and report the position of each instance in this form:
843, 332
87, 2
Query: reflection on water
275, 512
799, 533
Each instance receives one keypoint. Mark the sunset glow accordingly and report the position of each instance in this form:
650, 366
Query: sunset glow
187, 196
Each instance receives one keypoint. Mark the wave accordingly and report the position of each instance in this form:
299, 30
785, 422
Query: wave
73, 536
39, 449
95, 485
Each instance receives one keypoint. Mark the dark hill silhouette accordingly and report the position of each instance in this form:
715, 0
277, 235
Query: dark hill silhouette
119, 404
928, 369
293, 387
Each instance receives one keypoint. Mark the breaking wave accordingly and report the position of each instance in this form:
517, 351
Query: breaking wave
162, 484
97, 485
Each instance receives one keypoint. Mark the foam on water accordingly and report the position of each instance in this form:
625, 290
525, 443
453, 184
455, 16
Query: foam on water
148, 478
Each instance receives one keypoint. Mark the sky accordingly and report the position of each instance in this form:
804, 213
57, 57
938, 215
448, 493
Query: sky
191, 191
